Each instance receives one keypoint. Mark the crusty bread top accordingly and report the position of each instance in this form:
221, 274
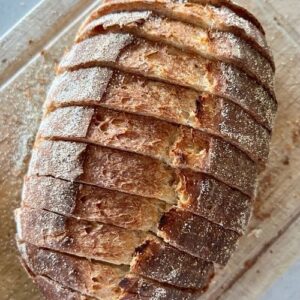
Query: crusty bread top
169, 64
196, 236
161, 262
85, 239
136, 95
207, 16
144, 167
140, 288
241, 11
55, 291
144, 175
222, 46
92, 203
88, 277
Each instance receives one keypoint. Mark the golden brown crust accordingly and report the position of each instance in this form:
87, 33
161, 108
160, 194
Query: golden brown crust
215, 201
147, 177
209, 114
85, 239
241, 11
104, 167
140, 175
128, 172
139, 288
171, 65
178, 146
55, 291
197, 236
222, 46
205, 16
159, 120
87, 277
92, 203
159, 261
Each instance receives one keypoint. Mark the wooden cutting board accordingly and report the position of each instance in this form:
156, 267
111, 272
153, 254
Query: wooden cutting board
28, 55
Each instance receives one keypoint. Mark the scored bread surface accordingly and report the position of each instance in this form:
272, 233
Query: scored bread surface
223, 46
143, 174
138, 56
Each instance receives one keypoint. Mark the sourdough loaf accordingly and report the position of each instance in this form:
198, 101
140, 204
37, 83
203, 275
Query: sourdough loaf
143, 173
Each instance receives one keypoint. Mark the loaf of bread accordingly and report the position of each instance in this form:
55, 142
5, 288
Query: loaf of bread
143, 174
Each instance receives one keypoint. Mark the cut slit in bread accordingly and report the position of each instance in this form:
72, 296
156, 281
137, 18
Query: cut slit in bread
154, 178
209, 241
168, 64
205, 16
178, 147
239, 10
117, 245
212, 45
164, 263
55, 291
150, 178
124, 92
141, 288
85, 239
87, 277
92, 203
101, 280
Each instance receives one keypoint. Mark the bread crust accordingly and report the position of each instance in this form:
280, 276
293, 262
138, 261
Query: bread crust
215, 201
55, 291
197, 236
136, 95
177, 146
171, 65
104, 167
92, 203
87, 277
147, 177
205, 16
138, 174
241, 11
140, 288
161, 262
144, 168
221, 46
85, 239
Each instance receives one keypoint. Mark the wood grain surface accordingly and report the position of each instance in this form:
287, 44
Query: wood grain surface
272, 242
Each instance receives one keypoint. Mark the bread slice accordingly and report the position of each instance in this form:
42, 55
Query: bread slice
87, 277
178, 147
212, 45
161, 262
48, 287
216, 116
104, 167
140, 288
213, 200
85, 239
239, 10
206, 16
143, 176
165, 63
55, 291
197, 236
92, 203
110, 168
